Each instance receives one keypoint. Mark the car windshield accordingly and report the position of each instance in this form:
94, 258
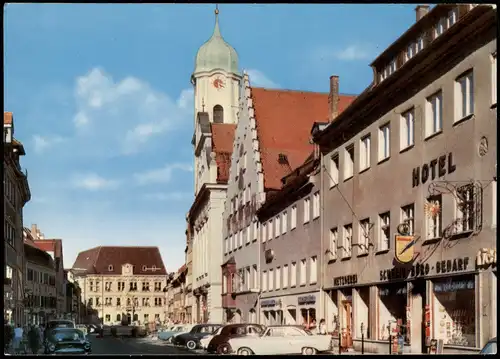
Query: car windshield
67, 335
490, 349
177, 329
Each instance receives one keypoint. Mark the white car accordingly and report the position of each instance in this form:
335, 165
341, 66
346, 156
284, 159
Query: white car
283, 339
206, 340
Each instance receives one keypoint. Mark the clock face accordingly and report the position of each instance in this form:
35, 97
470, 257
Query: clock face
218, 83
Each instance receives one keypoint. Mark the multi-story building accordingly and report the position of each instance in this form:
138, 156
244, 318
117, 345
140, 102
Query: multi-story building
179, 294
189, 277
216, 81
39, 284
410, 190
290, 251
122, 284
54, 248
261, 158
16, 195
73, 297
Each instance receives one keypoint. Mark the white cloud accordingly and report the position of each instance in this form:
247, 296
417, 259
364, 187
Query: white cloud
258, 79
161, 175
121, 116
353, 52
41, 143
93, 182
172, 196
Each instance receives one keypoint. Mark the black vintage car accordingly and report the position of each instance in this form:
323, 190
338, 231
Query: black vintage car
58, 323
220, 343
192, 339
66, 341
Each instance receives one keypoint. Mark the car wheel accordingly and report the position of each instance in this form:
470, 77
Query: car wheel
308, 351
191, 345
223, 349
169, 340
244, 351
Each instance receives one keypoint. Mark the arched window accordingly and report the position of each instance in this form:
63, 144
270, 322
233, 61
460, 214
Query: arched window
218, 114
118, 317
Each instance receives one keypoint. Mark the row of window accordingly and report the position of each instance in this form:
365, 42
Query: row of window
39, 301
108, 286
433, 125
39, 277
9, 190
10, 233
465, 221
278, 278
108, 301
417, 45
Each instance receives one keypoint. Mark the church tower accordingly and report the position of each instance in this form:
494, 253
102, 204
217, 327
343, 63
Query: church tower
216, 79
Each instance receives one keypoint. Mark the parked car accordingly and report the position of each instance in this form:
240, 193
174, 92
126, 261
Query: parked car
281, 339
174, 330
59, 323
490, 348
192, 339
66, 341
83, 328
206, 340
219, 342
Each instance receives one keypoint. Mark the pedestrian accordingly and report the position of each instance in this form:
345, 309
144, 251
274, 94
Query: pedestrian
322, 327
18, 337
34, 339
8, 335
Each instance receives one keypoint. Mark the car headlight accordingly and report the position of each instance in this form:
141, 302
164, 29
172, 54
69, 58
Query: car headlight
87, 346
52, 347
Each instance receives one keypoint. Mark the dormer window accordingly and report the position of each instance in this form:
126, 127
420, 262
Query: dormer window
144, 268
110, 268
452, 17
218, 114
392, 67
410, 51
420, 44
439, 29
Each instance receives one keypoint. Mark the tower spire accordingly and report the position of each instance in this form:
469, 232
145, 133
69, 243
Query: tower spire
216, 29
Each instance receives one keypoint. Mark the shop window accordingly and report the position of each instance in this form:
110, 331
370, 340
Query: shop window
454, 311
392, 310
308, 318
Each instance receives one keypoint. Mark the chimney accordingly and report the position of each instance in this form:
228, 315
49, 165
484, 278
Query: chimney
421, 11
333, 97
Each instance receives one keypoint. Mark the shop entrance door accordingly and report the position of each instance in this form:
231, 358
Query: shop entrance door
347, 334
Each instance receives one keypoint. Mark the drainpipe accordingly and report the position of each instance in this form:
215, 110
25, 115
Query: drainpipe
322, 301
259, 274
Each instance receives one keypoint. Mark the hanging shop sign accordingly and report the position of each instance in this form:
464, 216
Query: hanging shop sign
345, 280
486, 257
306, 299
268, 303
436, 168
404, 249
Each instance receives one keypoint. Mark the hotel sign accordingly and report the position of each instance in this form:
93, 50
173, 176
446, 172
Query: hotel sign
306, 299
486, 257
436, 168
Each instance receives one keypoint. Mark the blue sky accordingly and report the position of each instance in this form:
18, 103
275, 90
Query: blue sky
103, 104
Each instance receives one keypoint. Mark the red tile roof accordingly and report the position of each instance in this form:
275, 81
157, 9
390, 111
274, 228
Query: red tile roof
284, 120
99, 259
7, 118
222, 143
50, 245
